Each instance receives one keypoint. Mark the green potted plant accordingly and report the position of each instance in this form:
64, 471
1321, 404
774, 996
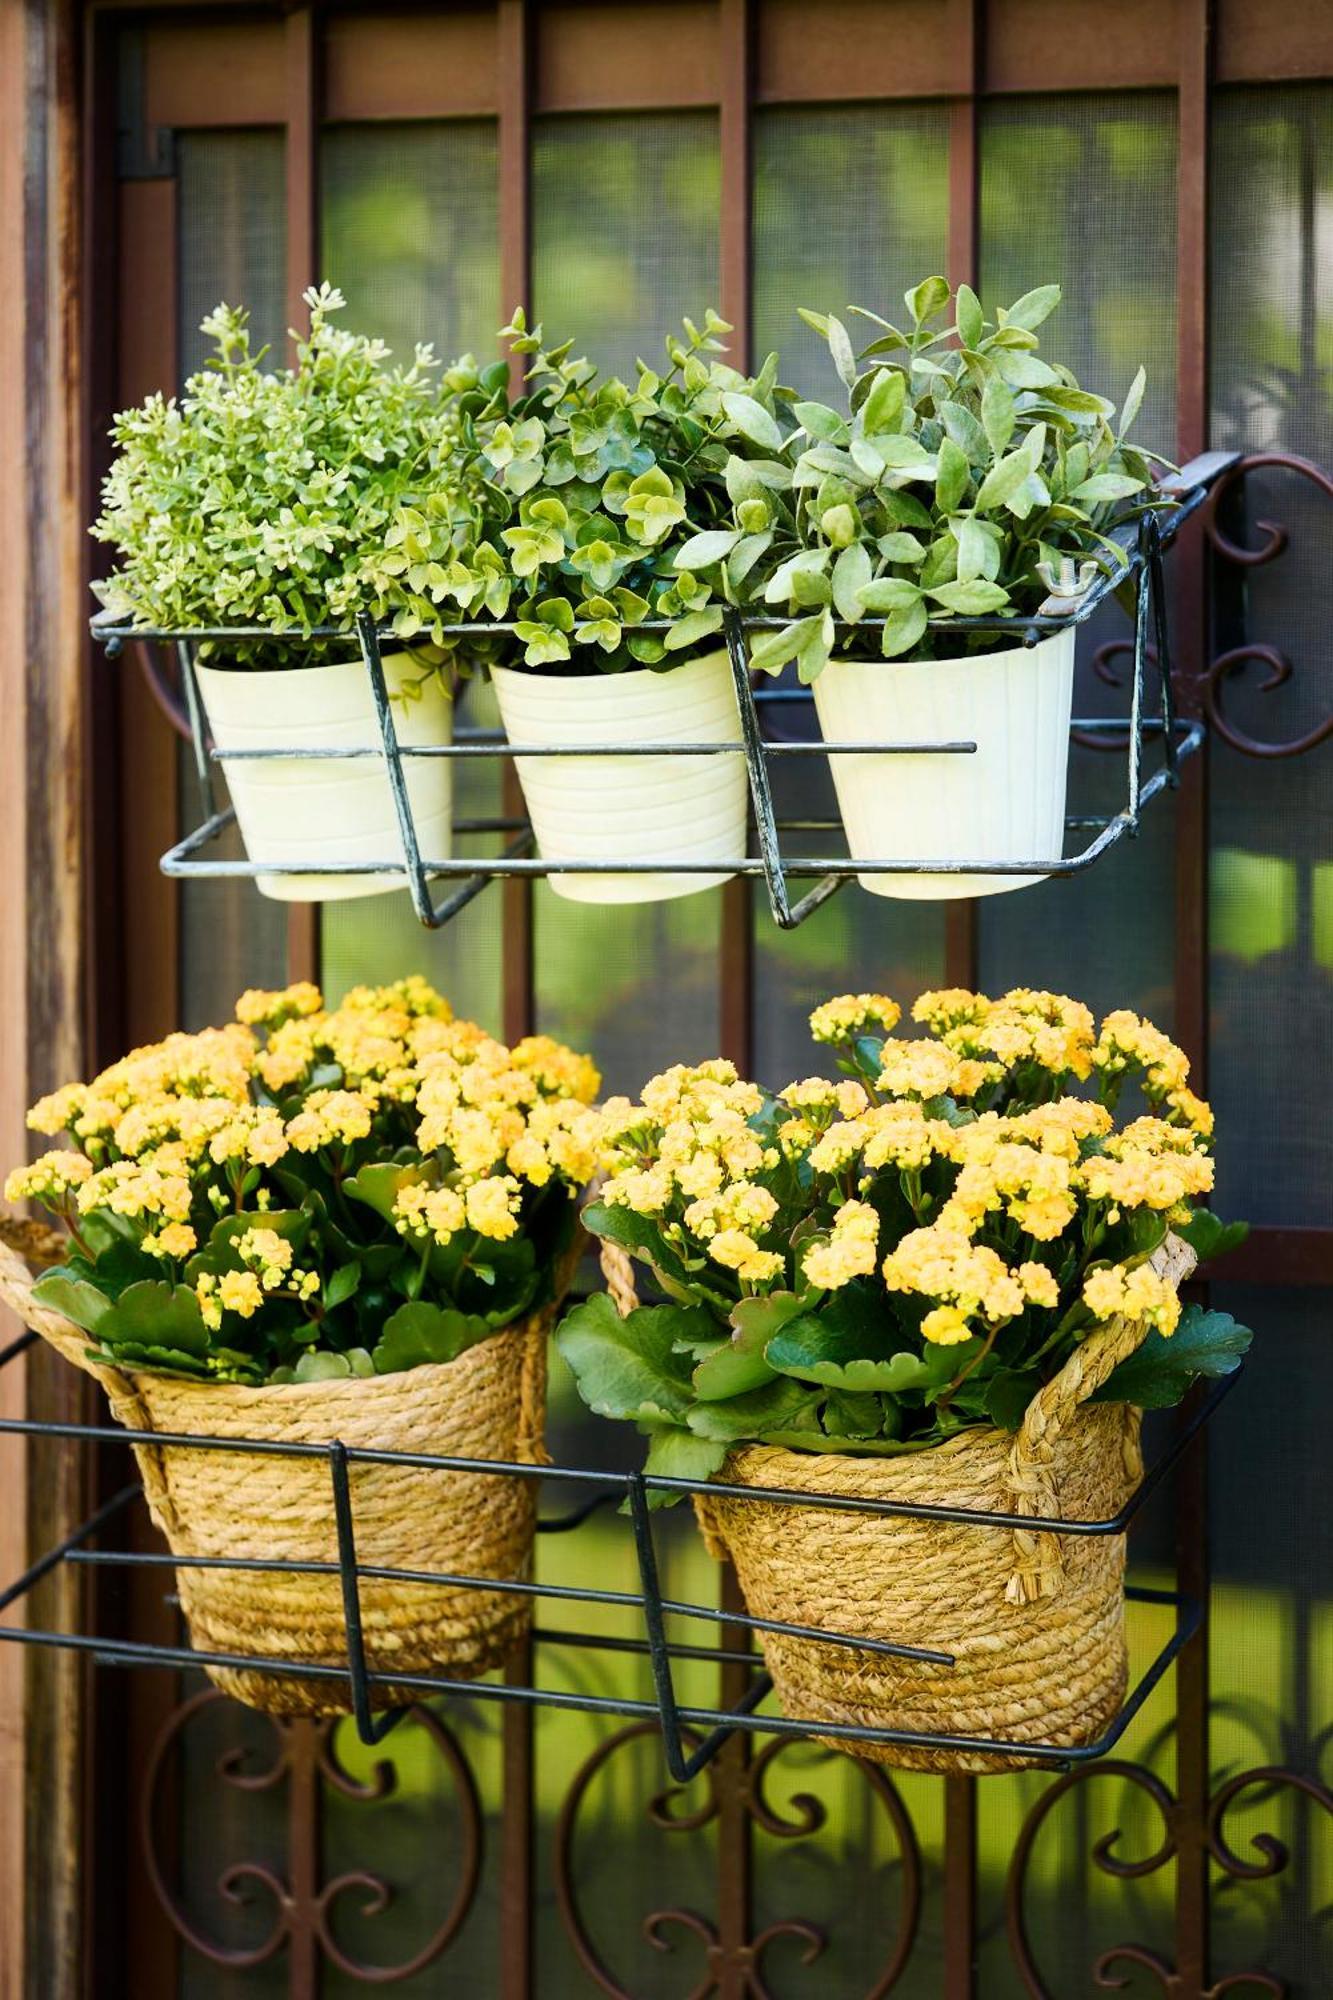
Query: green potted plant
950, 1278
285, 499
313, 1225
961, 475
601, 505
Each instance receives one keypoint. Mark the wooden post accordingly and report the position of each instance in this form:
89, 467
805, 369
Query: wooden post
42, 658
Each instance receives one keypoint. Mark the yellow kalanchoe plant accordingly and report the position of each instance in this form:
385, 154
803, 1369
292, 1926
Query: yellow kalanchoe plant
314, 1192
872, 1264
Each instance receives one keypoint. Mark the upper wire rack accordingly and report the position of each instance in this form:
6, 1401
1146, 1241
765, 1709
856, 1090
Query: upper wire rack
1140, 545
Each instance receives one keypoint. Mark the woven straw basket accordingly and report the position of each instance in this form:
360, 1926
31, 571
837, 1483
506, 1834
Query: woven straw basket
489, 1403
1035, 1622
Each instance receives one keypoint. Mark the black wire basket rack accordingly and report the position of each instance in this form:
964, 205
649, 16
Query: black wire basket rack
1153, 734
691, 1736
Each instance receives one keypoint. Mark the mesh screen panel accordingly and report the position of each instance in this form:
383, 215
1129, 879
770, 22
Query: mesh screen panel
625, 227
851, 207
232, 246
1081, 189
1272, 823
410, 231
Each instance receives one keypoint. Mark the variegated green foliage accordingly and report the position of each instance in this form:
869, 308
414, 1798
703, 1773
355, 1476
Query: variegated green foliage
604, 499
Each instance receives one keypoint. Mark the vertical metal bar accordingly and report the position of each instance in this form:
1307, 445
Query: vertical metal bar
1195, 21
735, 1843
514, 41
301, 62
304, 1843
514, 65
658, 1652
1142, 609
961, 930
417, 884
736, 38
203, 768
761, 790
960, 1887
962, 955
370, 1728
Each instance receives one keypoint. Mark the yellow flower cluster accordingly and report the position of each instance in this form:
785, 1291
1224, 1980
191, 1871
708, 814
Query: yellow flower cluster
1138, 1292
727, 1174
260, 1009
969, 1280
736, 1251
271, 1255
331, 1118
190, 1118
49, 1179
932, 1069
1126, 1042
1146, 1177
849, 1251
423, 1211
1033, 1187
853, 1014
1024, 1026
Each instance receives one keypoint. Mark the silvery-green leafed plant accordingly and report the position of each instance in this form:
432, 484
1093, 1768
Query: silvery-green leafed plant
284, 497
961, 471
593, 489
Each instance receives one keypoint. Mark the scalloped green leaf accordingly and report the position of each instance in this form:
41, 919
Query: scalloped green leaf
629, 1368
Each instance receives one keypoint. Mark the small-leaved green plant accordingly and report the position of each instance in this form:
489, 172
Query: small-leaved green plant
285, 497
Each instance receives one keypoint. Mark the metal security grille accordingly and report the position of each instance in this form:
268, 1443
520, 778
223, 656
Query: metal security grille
609, 165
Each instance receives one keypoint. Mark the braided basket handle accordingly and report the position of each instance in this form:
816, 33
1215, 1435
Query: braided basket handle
618, 1270
1038, 1558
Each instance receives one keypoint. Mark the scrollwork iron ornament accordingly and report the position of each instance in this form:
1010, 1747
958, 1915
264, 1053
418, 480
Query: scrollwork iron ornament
743, 1958
1225, 666
304, 1761
1110, 1972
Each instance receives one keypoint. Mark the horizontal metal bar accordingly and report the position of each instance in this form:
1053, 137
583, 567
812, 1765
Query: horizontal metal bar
502, 747
132, 1653
724, 748
608, 1642
618, 1483
504, 1586
483, 868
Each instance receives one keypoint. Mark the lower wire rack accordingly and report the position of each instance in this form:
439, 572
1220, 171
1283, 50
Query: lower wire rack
686, 1752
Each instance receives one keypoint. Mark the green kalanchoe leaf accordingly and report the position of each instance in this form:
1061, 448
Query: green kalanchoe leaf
419, 1333
631, 1367
1158, 1375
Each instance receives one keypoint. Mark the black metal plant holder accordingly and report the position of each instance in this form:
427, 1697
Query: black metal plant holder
1139, 562
632, 1489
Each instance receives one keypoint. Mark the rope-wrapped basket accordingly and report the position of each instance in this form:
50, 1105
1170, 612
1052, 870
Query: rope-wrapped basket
489, 1403
1035, 1621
